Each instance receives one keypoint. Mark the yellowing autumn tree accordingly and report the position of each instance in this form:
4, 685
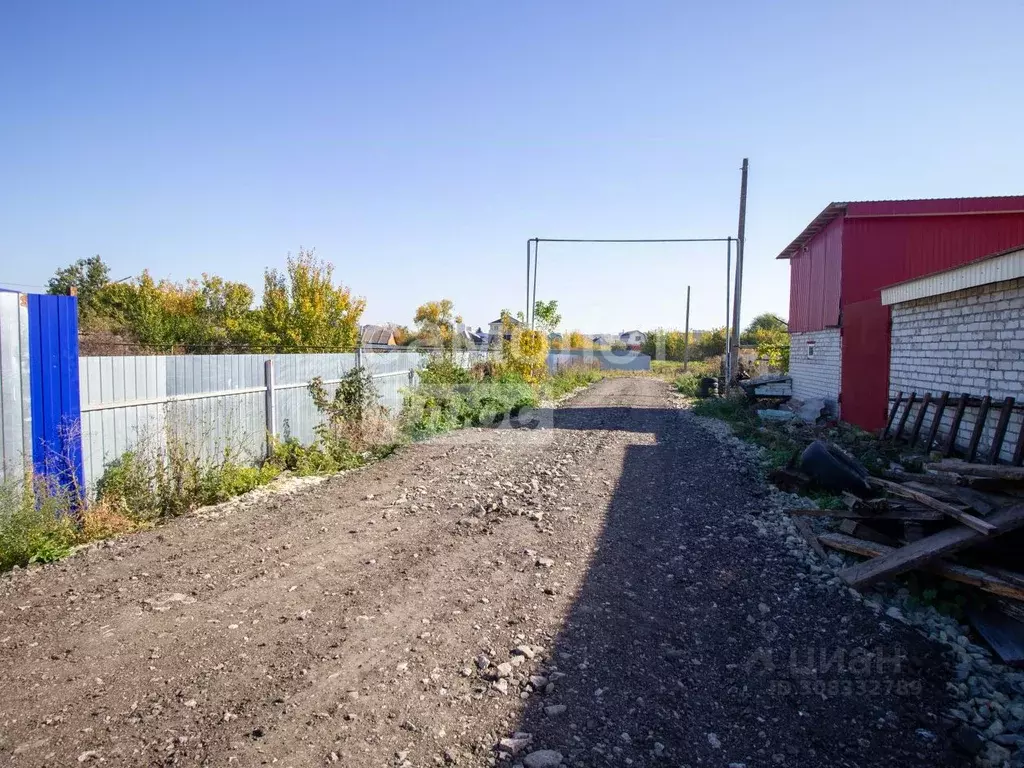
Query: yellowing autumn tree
304, 309
436, 322
523, 352
576, 340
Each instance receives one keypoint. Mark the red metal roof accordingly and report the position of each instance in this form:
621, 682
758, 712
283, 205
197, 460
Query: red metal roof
924, 207
831, 212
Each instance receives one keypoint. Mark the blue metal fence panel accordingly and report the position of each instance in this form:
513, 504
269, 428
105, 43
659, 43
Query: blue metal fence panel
53, 377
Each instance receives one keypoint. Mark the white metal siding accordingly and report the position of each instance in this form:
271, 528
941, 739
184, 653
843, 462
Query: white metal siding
1007, 266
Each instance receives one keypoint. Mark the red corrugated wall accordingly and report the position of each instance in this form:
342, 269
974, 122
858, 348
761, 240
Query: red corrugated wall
879, 250
814, 281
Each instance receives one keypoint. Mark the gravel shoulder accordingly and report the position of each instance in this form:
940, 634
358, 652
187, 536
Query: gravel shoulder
372, 619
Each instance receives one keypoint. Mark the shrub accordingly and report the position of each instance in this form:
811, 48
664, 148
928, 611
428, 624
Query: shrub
442, 370
36, 524
101, 521
688, 384
355, 425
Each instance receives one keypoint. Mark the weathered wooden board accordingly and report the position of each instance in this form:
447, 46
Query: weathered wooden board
954, 429
867, 533
997, 471
892, 414
960, 573
1003, 633
804, 529
919, 421
979, 427
906, 415
902, 514
982, 503
940, 408
931, 548
1000, 434
947, 509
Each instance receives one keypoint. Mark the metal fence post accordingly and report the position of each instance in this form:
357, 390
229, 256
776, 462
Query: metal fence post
359, 357
271, 404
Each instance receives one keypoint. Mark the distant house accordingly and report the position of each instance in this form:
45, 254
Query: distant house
377, 336
467, 337
633, 338
496, 328
603, 340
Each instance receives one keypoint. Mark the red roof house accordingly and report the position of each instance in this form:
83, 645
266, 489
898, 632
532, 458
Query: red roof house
839, 328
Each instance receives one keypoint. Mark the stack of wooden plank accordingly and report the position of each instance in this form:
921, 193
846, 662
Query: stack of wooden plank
951, 520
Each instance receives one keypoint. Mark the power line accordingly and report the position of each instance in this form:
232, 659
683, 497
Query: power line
536, 241
630, 240
22, 285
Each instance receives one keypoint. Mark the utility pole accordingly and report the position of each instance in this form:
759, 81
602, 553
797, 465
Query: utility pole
728, 317
740, 242
686, 338
533, 305
527, 315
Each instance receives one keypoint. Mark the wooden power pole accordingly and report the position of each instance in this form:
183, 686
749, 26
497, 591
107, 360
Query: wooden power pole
740, 242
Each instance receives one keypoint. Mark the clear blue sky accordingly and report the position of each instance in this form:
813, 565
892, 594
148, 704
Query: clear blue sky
418, 144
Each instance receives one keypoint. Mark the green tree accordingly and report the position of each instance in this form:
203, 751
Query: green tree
548, 317
764, 322
86, 276
710, 344
770, 334
208, 315
303, 308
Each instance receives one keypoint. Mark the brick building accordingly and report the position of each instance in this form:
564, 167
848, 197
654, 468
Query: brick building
961, 331
839, 264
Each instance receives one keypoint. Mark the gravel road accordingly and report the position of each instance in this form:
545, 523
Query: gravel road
373, 620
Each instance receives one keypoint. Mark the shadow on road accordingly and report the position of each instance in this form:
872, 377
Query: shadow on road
697, 640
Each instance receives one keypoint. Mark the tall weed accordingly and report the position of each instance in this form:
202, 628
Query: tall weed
37, 524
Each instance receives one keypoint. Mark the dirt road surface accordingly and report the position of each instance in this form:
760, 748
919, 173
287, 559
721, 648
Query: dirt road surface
372, 620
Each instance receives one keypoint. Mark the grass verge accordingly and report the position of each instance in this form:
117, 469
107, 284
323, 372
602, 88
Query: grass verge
782, 441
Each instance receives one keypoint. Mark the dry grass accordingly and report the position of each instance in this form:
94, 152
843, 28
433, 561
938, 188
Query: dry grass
103, 521
374, 432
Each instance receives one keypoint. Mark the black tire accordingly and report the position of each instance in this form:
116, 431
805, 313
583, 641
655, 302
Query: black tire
831, 469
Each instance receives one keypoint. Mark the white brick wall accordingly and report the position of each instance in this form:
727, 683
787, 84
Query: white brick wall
818, 375
968, 341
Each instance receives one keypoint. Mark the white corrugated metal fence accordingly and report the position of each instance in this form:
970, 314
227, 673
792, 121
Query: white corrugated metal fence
218, 403
15, 407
